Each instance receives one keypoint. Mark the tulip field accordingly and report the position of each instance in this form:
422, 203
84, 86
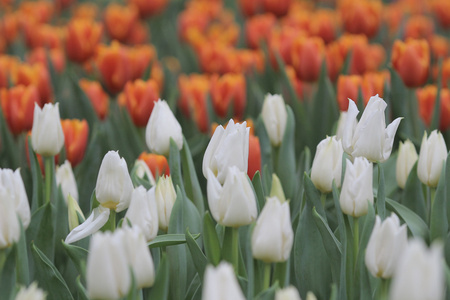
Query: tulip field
224, 149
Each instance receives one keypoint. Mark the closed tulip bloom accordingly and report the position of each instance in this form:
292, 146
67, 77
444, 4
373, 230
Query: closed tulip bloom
369, 137
114, 187
327, 164
288, 293
31, 293
357, 190
143, 212
386, 244
407, 157
274, 116
14, 190
162, 126
66, 179
140, 97
228, 147
75, 139
433, 153
107, 272
47, 135
420, 273
232, 204
99, 99
411, 59
220, 283
83, 36
9, 223
165, 196
273, 236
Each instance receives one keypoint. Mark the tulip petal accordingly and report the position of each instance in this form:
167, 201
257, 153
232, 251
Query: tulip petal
349, 126
96, 220
389, 138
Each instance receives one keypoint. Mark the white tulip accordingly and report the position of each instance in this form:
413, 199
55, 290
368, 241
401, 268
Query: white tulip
162, 126
13, 190
9, 223
99, 216
234, 203
114, 185
47, 136
272, 237
66, 179
274, 116
407, 157
288, 293
385, 246
141, 169
370, 137
433, 153
143, 212
327, 164
31, 293
357, 192
420, 273
340, 125
228, 147
220, 283
165, 196
107, 272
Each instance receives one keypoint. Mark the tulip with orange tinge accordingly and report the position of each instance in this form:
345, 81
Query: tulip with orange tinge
119, 20
307, 56
148, 8
99, 99
140, 97
361, 17
348, 87
37, 75
83, 36
411, 60
228, 91
441, 9
426, 98
157, 164
41, 55
418, 27
250, 7
277, 7
254, 155
257, 29
75, 139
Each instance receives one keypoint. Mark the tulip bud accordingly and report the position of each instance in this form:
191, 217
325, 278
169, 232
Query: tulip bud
288, 293
273, 236
310, 296
419, 273
276, 189
232, 204
411, 59
11, 184
31, 293
407, 157
66, 179
433, 152
274, 116
165, 196
74, 213
386, 244
327, 164
228, 147
369, 137
143, 212
47, 135
114, 187
357, 191
162, 126
220, 283
141, 169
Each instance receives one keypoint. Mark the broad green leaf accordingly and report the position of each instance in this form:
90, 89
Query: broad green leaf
259, 191
368, 221
414, 222
22, 267
175, 165
82, 293
413, 194
169, 240
191, 183
160, 289
40, 230
7, 272
195, 289
265, 145
268, 294
38, 186
78, 256
439, 221
211, 240
8, 149
199, 259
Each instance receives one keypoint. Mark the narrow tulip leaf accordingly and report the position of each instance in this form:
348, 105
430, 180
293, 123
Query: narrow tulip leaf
169, 240
265, 145
280, 273
37, 199
304, 165
199, 259
8, 148
60, 226
435, 120
313, 195
134, 137
266, 180
285, 161
268, 294
368, 222
41, 230
250, 263
413, 195
414, 222
160, 289
399, 93
175, 165
211, 240
78, 256
191, 183
7, 272
330, 243
194, 289
439, 221
49, 277
82, 293
381, 205
259, 191
84, 104
22, 267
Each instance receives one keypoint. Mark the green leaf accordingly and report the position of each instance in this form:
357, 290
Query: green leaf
169, 240
22, 267
265, 145
7, 272
82, 293
414, 222
268, 294
259, 191
78, 256
175, 166
160, 289
439, 221
413, 195
37, 199
364, 283
40, 230
195, 289
211, 240
199, 259
8, 148
381, 195
435, 120
49, 277
312, 195
191, 183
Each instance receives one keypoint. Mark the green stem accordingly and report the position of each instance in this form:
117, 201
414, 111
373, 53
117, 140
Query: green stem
355, 241
231, 247
3, 255
111, 224
323, 198
266, 278
49, 176
429, 206
414, 115
383, 291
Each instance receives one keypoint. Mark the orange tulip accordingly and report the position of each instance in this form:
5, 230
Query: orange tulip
257, 29
83, 36
37, 75
148, 8
75, 139
441, 9
411, 59
140, 58
418, 27
18, 107
361, 17
9, 27
307, 55
335, 59
193, 96
217, 58
280, 41
57, 57
99, 99
324, 24
426, 98
191, 21
277, 7
373, 83
246, 61
229, 89
250, 7
43, 35
139, 34
86, 10
120, 20
140, 97
8, 66
39, 11
254, 155
439, 47
157, 164
393, 14
295, 82
348, 87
